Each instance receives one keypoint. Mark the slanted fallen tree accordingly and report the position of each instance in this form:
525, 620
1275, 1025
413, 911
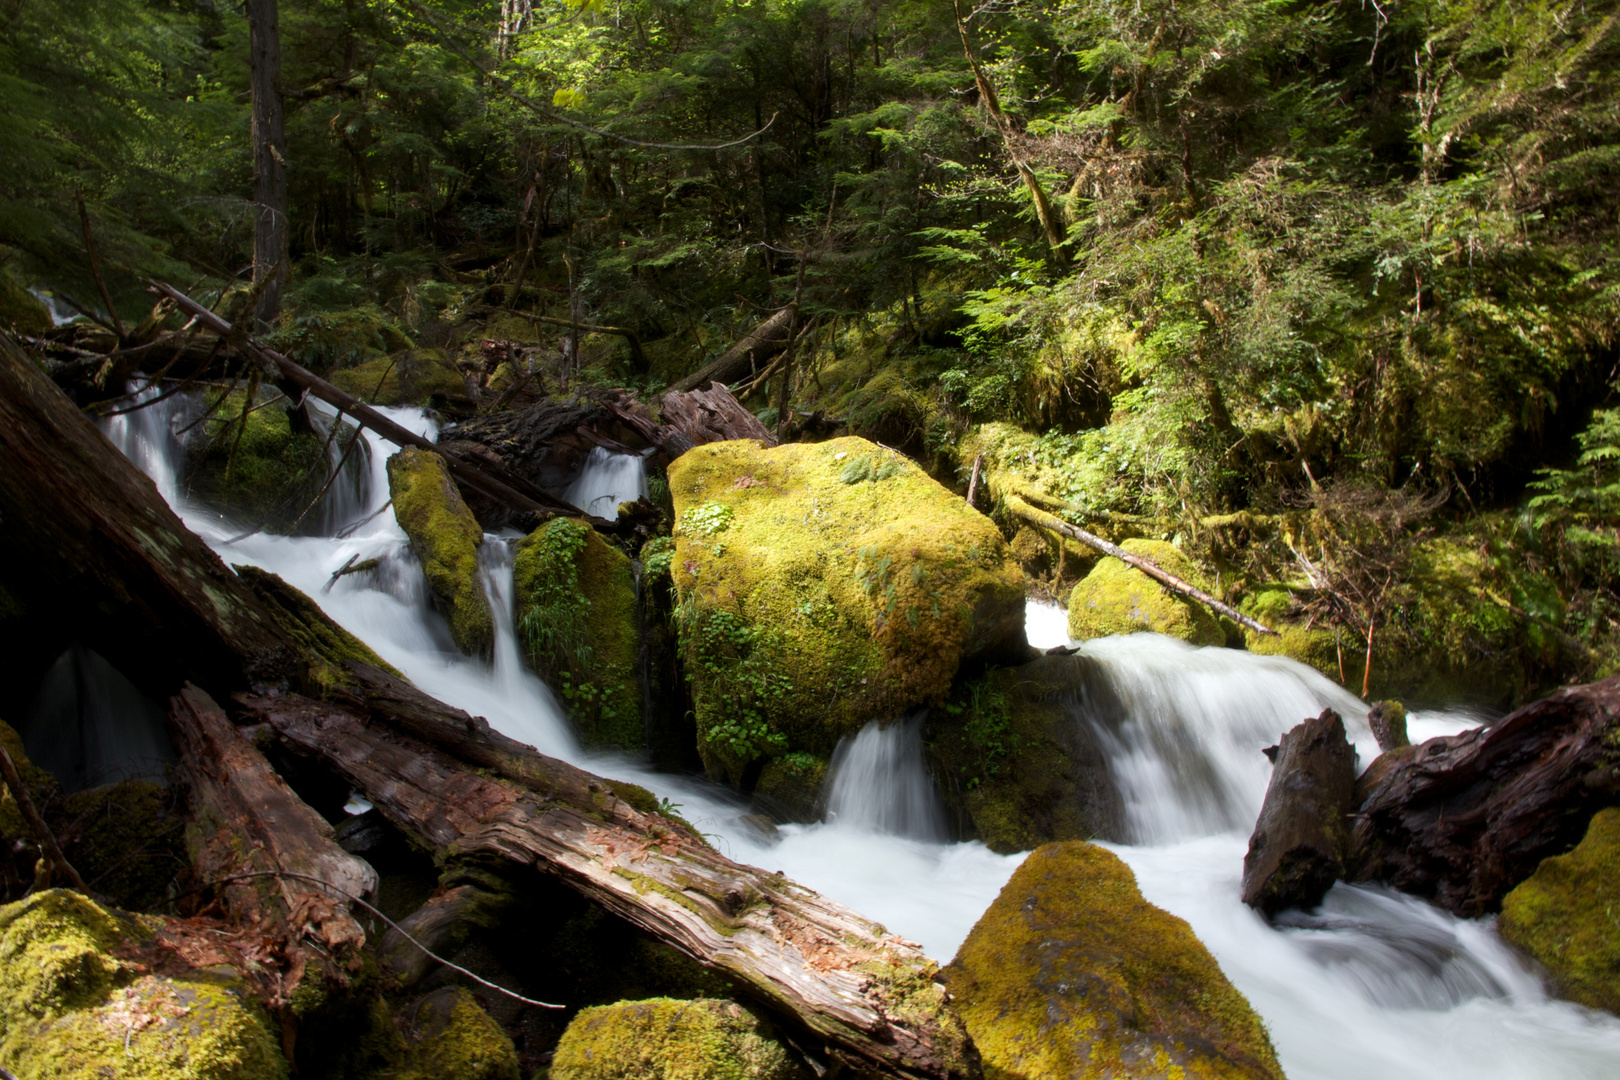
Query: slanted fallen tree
767, 339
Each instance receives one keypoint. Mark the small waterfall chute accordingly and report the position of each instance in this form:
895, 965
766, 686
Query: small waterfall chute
879, 783
607, 480
89, 725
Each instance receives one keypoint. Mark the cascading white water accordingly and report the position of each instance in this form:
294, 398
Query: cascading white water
879, 783
1374, 985
607, 480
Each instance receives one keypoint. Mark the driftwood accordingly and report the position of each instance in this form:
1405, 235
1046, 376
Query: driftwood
1297, 850
767, 339
246, 821
1151, 569
1464, 818
485, 476
710, 414
870, 997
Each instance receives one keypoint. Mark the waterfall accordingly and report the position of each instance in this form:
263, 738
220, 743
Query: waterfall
878, 782
1372, 986
89, 725
607, 480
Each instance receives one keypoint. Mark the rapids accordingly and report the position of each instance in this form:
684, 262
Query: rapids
1373, 986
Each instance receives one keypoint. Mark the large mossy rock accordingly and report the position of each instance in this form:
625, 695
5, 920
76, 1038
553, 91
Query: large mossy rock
667, 1039
1118, 599
822, 585
1072, 974
21, 310
447, 1034
260, 469
411, 377
71, 1009
1019, 764
577, 617
1564, 916
446, 537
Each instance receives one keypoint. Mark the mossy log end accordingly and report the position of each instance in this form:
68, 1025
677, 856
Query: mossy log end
1464, 818
871, 998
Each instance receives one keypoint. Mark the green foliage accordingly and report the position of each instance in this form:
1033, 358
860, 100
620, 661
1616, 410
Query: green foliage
709, 519
741, 665
987, 724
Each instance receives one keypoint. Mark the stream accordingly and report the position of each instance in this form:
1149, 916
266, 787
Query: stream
1372, 986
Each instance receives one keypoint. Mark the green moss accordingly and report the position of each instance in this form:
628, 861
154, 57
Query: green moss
262, 470
449, 1035
667, 1039
576, 612
40, 783
1567, 916
1071, 975
71, 1010
20, 310
324, 340
1118, 599
789, 787
128, 839
411, 377
328, 648
446, 537
816, 604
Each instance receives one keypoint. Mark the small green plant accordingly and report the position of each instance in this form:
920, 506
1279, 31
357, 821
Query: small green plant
740, 664
862, 468
987, 725
709, 519
657, 556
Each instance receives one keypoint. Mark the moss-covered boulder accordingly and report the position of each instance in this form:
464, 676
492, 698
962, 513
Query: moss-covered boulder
447, 1034
260, 468
790, 787
822, 585
1118, 599
129, 838
1017, 765
577, 617
411, 377
446, 537
71, 1009
1072, 974
20, 310
666, 1039
1564, 915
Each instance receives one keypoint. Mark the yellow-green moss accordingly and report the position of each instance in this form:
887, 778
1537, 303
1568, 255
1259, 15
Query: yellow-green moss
576, 613
263, 470
40, 783
1567, 916
446, 537
411, 377
789, 787
70, 1010
327, 647
666, 1039
449, 1035
1071, 974
20, 310
821, 585
1118, 599
323, 340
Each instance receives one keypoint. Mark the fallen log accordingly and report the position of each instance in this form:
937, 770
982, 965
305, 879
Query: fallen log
767, 339
1464, 818
871, 998
1297, 850
1181, 588
710, 414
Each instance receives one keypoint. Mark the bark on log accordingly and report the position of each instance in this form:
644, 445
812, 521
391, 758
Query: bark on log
870, 997
245, 820
1151, 569
1298, 847
768, 338
1464, 818
710, 414
484, 476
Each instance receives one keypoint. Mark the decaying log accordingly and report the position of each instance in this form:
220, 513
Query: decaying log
1297, 850
1181, 588
870, 997
245, 820
768, 338
1464, 818
710, 414
487, 477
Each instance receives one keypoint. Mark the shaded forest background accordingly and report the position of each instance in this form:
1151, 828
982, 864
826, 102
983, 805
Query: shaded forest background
1324, 291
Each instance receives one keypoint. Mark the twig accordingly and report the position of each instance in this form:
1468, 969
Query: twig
402, 931
30, 813
1366, 672
348, 530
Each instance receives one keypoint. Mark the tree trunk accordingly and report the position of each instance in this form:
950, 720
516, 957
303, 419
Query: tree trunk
271, 229
1297, 850
768, 338
1464, 818
711, 414
870, 997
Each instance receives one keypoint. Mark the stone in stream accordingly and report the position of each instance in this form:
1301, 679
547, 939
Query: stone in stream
1071, 973
1564, 916
668, 1039
1298, 847
823, 584
445, 536
1388, 722
1118, 599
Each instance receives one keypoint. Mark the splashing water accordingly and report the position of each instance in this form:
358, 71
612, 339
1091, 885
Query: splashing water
1373, 985
607, 480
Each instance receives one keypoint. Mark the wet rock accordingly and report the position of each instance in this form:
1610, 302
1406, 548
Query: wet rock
1118, 599
577, 617
1016, 757
72, 1009
262, 470
447, 1034
823, 584
1298, 847
790, 788
1564, 916
666, 1039
20, 310
1071, 973
1388, 721
446, 537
